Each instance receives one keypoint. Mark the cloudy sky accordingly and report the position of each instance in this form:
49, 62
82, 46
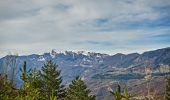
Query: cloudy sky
107, 26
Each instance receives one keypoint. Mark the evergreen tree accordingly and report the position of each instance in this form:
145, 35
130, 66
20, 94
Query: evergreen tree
77, 90
127, 95
118, 95
35, 79
24, 72
8, 90
52, 81
167, 95
28, 91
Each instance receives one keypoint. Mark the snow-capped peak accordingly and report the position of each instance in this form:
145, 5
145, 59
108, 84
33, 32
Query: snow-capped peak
53, 53
83, 53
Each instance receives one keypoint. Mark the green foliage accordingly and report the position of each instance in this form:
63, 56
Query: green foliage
53, 97
77, 90
29, 93
6, 97
7, 89
28, 90
35, 79
24, 72
126, 94
167, 95
43, 85
52, 81
118, 95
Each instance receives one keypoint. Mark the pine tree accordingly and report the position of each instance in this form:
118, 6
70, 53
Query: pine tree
126, 94
52, 81
28, 91
35, 79
77, 90
167, 95
24, 72
118, 95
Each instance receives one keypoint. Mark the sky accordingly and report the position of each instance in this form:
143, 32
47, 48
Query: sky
106, 26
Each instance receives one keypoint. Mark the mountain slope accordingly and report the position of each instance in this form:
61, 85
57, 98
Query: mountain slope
79, 63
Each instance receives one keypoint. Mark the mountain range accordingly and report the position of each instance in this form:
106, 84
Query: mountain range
92, 66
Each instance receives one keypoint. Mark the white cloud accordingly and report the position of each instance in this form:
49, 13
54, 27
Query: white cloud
36, 26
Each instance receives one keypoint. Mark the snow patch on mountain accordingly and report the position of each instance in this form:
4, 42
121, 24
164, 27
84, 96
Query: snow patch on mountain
41, 58
53, 54
86, 65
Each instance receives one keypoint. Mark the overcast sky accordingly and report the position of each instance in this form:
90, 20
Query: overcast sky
107, 26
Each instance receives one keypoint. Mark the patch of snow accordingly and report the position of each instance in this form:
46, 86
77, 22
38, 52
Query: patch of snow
83, 53
41, 58
98, 56
82, 65
53, 54
62, 52
65, 52
84, 59
83, 78
86, 71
